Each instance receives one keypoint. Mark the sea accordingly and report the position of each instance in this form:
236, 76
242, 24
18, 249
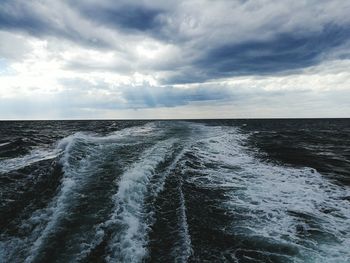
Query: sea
256, 190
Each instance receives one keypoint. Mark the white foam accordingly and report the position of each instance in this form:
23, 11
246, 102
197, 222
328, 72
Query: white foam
81, 153
74, 173
158, 186
267, 195
183, 250
34, 156
4, 144
129, 220
153, 189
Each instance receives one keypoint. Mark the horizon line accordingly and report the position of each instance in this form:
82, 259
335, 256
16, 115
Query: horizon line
182, 119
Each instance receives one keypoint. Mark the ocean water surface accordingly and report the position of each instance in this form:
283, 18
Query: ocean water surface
175, 191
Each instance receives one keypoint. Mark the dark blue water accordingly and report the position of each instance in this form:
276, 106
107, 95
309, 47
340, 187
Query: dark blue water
175, 191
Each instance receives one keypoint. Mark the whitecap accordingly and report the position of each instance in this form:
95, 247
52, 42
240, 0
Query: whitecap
36, 155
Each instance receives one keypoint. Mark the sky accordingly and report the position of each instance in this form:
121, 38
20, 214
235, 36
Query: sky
127, 59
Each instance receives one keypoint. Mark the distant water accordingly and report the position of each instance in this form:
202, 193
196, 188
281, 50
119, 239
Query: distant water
175, 191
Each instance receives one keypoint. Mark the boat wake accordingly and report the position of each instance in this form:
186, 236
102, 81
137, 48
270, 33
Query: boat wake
169, 192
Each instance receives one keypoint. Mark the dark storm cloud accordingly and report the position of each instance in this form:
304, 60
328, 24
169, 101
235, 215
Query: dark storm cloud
124, 17
285, 52
217, 39
17, 16
25, 16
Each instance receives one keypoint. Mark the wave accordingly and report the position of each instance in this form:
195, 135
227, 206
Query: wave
284, 206
34, 156
216, 200
41, 154
183, 250
4, 144
129, 220
79, 161
81, 155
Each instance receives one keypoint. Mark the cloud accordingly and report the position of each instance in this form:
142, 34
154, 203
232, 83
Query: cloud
125, 17
221, 34
132, 55
282, 53
238, 103
54, 19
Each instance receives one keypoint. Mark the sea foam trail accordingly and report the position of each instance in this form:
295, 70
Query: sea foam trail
154, 187
37, 155
183, 250
288, 207
4, 144
34, 156
78, 162
130, 220
81, 154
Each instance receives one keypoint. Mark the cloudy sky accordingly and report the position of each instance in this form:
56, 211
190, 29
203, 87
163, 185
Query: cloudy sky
68, 59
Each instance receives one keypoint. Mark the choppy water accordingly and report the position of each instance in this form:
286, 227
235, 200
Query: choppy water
175, 191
